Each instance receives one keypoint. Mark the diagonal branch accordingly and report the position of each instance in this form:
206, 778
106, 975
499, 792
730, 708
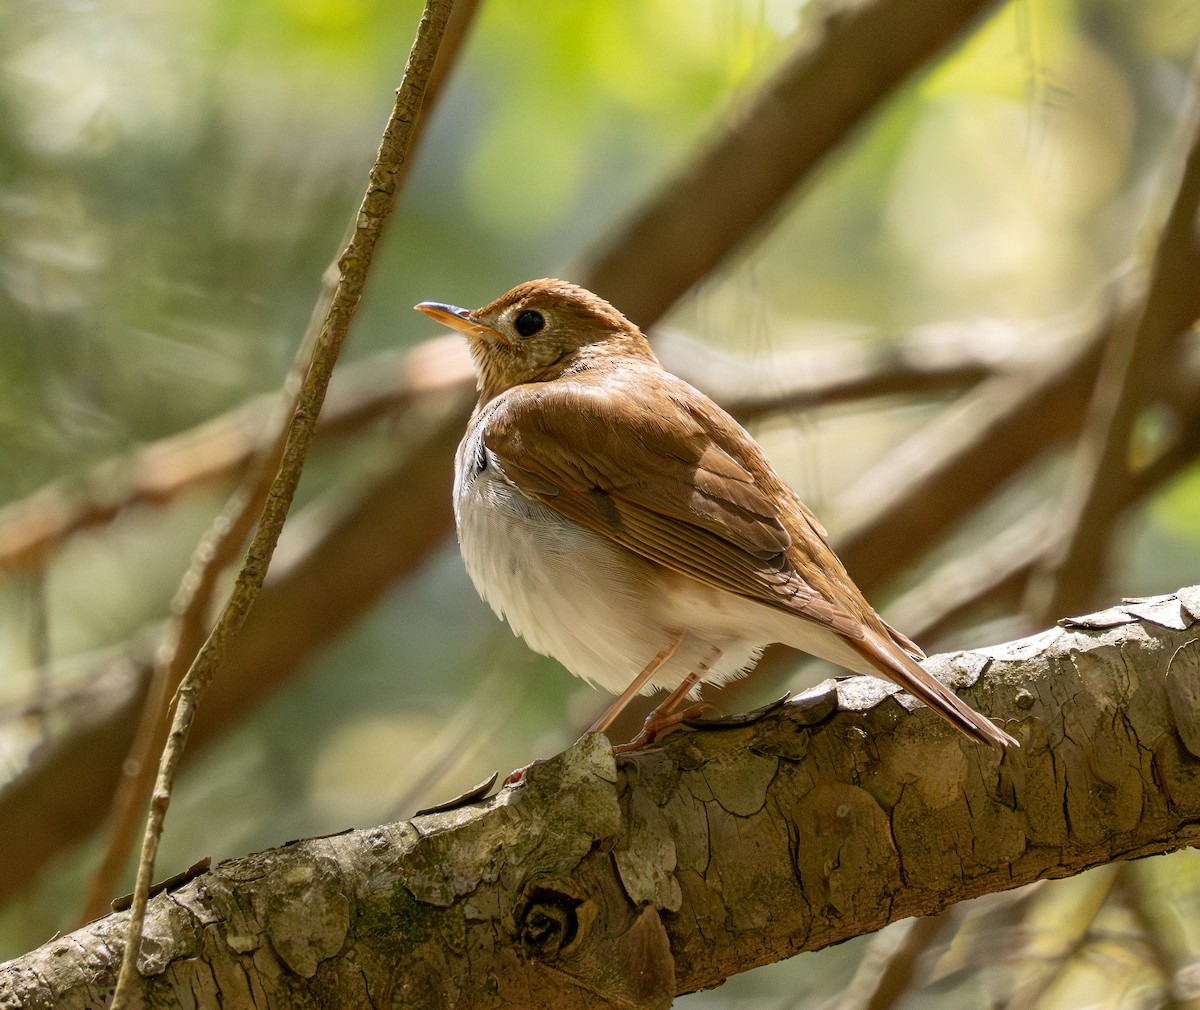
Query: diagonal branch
597, 884
218, 549
861, 54
1132, 369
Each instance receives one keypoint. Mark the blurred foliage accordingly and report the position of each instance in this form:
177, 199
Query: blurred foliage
175, 178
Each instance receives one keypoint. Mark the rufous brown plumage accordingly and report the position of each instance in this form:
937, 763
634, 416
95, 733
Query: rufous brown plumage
625, 524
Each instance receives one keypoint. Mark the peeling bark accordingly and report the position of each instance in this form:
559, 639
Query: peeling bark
605, 884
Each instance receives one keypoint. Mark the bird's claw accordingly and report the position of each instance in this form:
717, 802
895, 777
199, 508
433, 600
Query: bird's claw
659, 725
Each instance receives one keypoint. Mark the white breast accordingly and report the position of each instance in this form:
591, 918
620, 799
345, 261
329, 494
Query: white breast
599, 609
562, 588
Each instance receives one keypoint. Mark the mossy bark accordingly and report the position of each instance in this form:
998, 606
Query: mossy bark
605, 884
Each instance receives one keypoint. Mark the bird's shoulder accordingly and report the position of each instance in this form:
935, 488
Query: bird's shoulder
646, 439
624, 424
627, 406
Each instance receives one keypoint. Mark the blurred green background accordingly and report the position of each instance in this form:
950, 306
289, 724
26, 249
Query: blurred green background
175, 178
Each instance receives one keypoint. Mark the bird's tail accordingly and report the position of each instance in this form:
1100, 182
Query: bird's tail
895, 664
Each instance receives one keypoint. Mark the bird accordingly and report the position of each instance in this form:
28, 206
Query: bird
626, 525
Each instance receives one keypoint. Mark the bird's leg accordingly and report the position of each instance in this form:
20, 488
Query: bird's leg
615, 709
640, 681
664, 718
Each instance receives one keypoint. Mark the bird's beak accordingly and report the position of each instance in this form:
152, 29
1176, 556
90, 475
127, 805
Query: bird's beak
457, 319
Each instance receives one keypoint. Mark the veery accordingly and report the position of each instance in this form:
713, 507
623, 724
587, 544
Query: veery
626, 525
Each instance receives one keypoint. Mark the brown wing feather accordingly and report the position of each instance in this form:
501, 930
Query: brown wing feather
683, 487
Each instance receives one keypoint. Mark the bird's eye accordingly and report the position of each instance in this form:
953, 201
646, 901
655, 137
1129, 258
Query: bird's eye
529, 322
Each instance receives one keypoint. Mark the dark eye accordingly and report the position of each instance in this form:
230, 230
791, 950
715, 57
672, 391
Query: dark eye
529, 322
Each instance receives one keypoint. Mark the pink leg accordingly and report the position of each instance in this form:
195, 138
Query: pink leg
640, 681
671, 702
664, 718
614, 710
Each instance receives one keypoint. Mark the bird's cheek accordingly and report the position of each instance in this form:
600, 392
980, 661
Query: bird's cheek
482, 347
489, 337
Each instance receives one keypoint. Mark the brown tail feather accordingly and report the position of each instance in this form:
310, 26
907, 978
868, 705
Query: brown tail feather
902, 669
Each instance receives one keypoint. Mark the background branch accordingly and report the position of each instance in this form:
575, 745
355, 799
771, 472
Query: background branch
1126, 385
187, 628
826, 89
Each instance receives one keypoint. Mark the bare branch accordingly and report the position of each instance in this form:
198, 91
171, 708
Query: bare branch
930, 360
63, 795
292, 450
219, 547
1127, 382
861, 54
597, 884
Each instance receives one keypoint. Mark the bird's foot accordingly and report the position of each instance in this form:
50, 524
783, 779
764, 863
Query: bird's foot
659, 724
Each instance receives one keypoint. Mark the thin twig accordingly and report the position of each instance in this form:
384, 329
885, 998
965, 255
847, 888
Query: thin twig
219, 547
919, 363
180, 643
354, 263
185, 632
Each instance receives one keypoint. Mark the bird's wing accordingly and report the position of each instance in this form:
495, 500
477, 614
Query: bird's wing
675, 479
656, 467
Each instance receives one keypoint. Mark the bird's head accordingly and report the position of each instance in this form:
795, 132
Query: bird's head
538, 331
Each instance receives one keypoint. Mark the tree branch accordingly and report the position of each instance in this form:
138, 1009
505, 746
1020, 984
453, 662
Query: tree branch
61, 797
859, 55
597, 884
217, 549
289, 452
1126, 385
